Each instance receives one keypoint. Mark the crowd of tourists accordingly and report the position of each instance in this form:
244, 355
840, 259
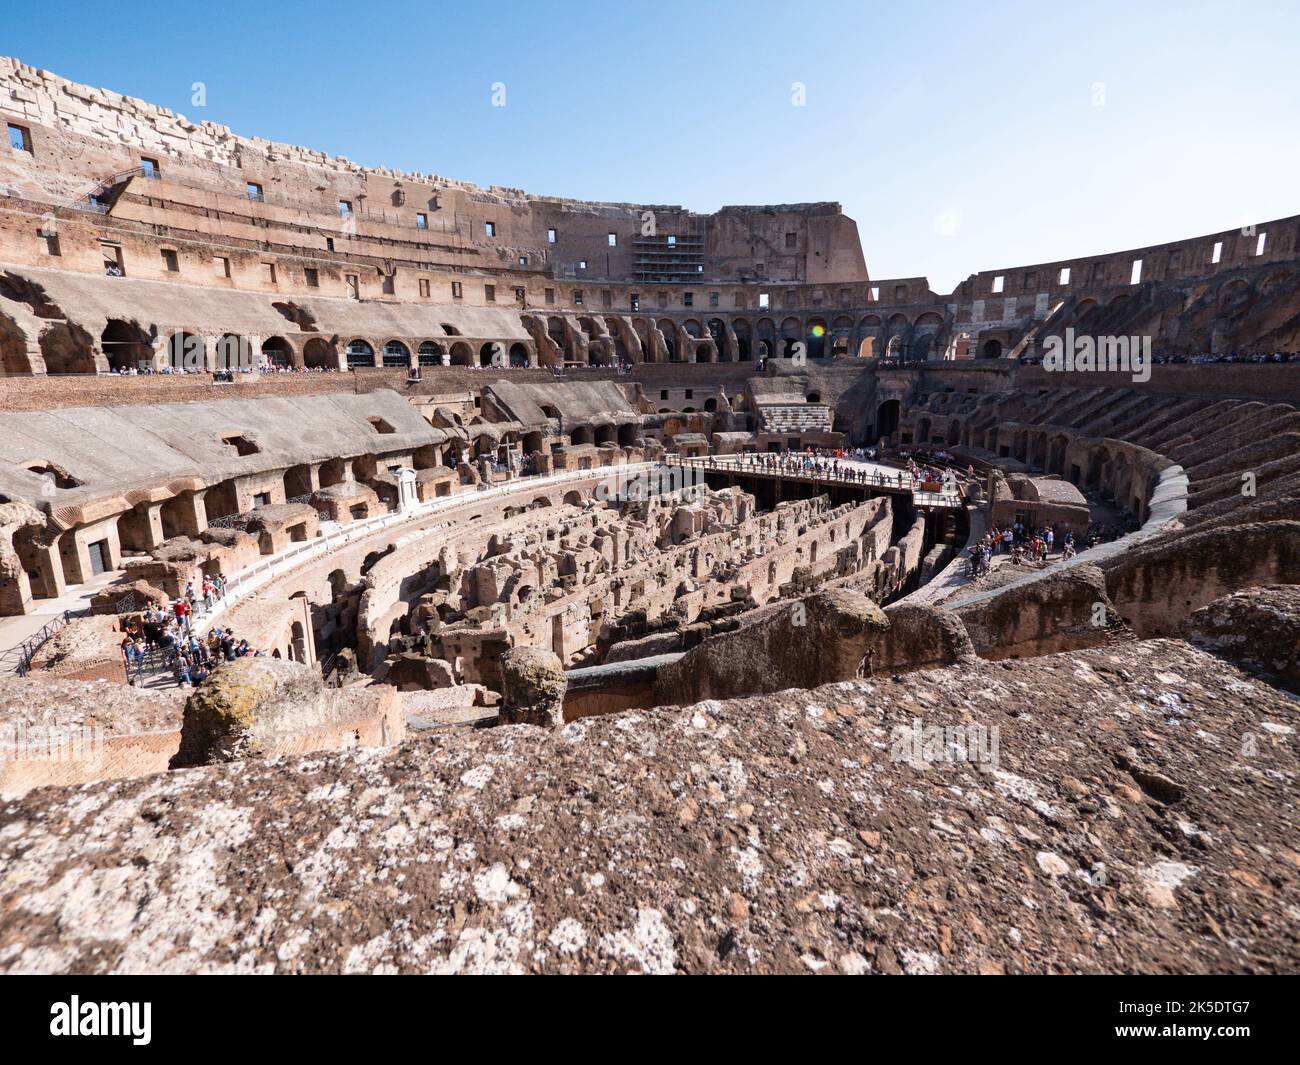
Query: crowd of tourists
1231, 356
1023, 544
171, 634
841, 464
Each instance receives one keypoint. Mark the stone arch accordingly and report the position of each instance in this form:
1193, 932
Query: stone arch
991, 349
396, 355
815, 337
431, 354
13, 347
276, 351
744, 339
125, 345
887, 415
518, 355
67, 348
462, 354
360, 353
185, 351
320, 354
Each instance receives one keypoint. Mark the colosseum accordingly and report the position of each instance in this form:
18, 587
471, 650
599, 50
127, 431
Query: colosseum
402, 575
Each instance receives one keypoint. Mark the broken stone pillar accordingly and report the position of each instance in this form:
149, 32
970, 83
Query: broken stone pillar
532, 687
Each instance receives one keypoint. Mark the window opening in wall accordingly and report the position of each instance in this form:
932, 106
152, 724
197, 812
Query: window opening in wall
456, 292
551, 236
312, 277
1064, 277
688, 299
170, 262
20, 138
764, 301
634, 299
329, 243
421, 221
1259, 244
112, 254
345, 208
1136, 275
998, 284
424, 288
354, 288
149, 168
52, 244
253, 191
1217, 254
490, 293
612, 240
490, 229
577, 297
221, 266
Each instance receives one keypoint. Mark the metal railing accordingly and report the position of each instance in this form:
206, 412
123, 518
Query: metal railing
26, 650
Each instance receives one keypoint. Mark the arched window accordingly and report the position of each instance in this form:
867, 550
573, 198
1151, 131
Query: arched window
360, 354
396, 354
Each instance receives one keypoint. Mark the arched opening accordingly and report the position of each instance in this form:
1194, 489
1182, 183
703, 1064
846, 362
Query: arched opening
668, 330
396, 355
67, 348
185, 352
887, 419
518, 355
791, 334
490, 354
744, 340
124, 346
277, 352
462, 354
360, 353
430, 354
991, 349
718, 331
710, 405
816, 338
319, 354
580, 434
13, 347
233, 352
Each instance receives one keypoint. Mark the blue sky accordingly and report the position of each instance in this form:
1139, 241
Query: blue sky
961, 137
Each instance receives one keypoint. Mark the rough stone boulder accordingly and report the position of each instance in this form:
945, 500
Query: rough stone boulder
229, 713
532, 687
1040, 614
921, 637
818, 640
261, 707
1258, 630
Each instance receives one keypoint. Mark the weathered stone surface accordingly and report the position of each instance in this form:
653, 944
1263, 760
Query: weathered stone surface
920, 637
532, 687
230, 715
822, 638
622, 844
1258, 630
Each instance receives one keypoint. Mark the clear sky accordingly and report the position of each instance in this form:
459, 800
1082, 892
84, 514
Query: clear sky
961, 136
